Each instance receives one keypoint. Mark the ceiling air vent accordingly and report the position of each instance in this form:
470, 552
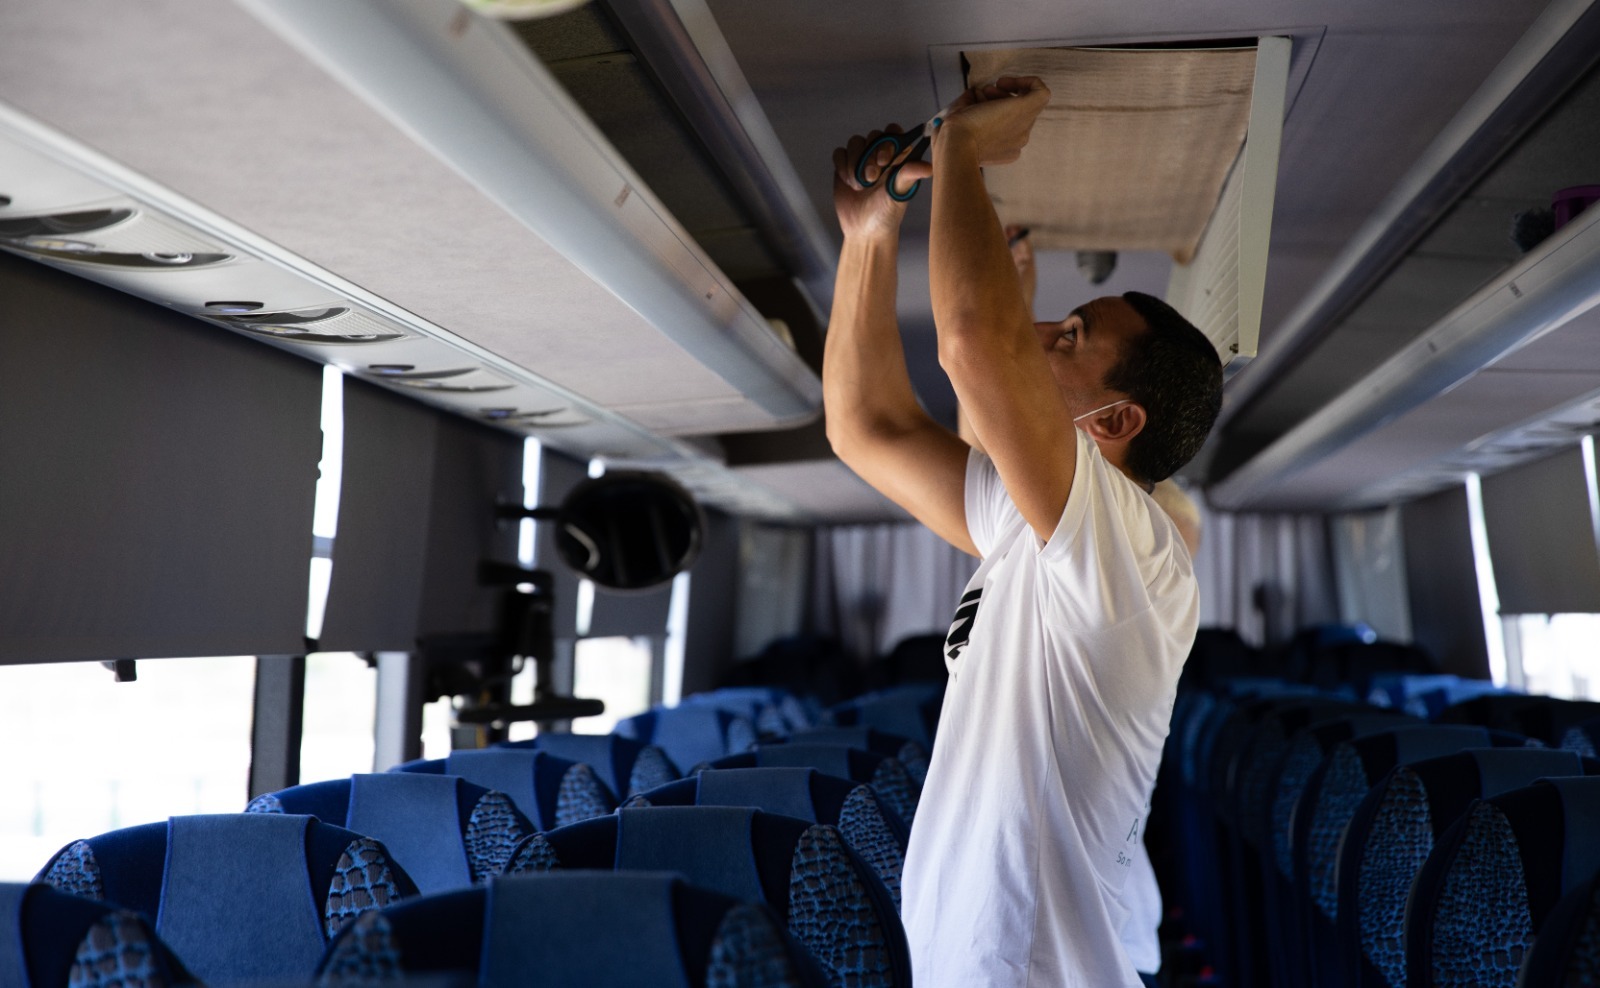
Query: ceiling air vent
1170, 148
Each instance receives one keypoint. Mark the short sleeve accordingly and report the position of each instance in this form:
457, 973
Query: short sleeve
1088, 476
986, 502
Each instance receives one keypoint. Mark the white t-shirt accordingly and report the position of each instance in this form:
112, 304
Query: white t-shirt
1064, 660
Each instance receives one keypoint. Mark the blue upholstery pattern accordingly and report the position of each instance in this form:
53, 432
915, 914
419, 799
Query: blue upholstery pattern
362, 881
582, 796
1305, 754
1578, 739
692, 734
915, 758
533, 854
493, 832
742, 735
1343, 788
830, 911
117, 952
1400, 840
863, 827
364, 954
650, 769
749, 952
1483, 924
895, 785
267, 802
76, 871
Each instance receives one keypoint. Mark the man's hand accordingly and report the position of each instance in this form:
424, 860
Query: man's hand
870, 212
998, 117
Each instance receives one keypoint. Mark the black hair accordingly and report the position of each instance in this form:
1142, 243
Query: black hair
1173, 371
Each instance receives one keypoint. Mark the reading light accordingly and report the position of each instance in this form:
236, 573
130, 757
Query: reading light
388, 369
233, 307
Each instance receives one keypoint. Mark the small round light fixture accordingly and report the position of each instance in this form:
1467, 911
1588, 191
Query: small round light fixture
233, 307
5, 201
387, 369
497, 414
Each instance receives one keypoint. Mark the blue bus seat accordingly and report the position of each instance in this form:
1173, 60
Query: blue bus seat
1494, 877
912, 755
49, 939
241, 896
828, 898
871, 830
1583, 737
1544, 718
888, 776
551, 792
911, 711
1331, 796
774, 711
626, 767
691, 735
573, 930
1567, 950
1394, 830
446, 832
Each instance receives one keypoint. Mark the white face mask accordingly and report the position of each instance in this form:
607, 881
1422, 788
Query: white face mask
1102, 408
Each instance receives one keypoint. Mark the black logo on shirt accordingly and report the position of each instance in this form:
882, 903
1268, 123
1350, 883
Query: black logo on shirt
961, 628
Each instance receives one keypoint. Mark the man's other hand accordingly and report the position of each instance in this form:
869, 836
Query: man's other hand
998, 117
870, 212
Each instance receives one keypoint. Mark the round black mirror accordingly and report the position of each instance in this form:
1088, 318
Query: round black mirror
628, 530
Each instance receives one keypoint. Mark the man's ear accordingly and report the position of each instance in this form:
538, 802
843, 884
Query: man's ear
1118, 424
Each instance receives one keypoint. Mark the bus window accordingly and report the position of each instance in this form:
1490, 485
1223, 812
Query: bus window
341, 704
616, 670
1554, 654
81, 754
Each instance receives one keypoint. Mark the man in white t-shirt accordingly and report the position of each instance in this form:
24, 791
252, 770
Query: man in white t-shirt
1067, 644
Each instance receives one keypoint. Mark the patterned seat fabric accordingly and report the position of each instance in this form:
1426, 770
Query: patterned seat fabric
625, 766
1484, 896
892, 781
1483, 924
721, 943
487, 825
549, 791
691, 734
872, 833
829, 904
71, 942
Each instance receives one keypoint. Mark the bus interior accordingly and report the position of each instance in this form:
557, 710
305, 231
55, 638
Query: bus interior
333, 331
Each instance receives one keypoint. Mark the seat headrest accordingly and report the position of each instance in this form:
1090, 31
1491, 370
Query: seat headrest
418, 819
567, 909
711, 846
610, 756
532, 779
785, 791
829, 759
1580, 803
1504, 769
234, 882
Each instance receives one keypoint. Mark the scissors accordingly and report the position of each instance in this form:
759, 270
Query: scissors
908, 147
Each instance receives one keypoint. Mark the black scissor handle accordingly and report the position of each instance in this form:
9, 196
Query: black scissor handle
897, 141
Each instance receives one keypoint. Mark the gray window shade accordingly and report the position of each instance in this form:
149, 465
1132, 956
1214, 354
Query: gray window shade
1442, 582
384, 514
474, 467
1541, 525
157, 478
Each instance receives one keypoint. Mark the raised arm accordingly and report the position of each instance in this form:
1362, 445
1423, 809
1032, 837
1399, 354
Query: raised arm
875, 423
987, 343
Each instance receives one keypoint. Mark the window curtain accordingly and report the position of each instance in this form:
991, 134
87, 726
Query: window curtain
1370, 560
1265, 575
875, 585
